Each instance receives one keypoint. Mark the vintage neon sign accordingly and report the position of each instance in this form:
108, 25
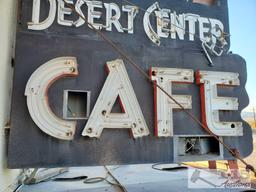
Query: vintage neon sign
118, 84
169, 24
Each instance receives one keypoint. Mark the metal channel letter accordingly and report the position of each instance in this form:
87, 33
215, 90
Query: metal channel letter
164, 106
211, 103
37, 99
117, 85
35, 24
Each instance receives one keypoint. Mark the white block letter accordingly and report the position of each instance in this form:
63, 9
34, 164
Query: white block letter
113, 19
37, 100
204, 30
164, 106
192, 19
163, 22
117, 84
132, 12
178, 25
62, 11
152, 35
35, 24
211, 103
80, 20
92, 14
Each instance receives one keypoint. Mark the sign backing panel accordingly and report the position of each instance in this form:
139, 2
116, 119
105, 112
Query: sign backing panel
31, 147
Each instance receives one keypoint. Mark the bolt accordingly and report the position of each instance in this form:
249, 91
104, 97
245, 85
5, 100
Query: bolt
89, 130
72, 69
104, 112
69, 133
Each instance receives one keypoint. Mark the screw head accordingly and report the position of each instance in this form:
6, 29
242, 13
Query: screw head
89, 130
72, 69
69, 133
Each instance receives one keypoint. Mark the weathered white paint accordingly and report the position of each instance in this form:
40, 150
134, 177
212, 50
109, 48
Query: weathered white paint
209, 80
116, 85
37, 88
164, 106
169, 24
35, 24
152, 35
8, 25
113, 19
93, 14
62, 11
132, 11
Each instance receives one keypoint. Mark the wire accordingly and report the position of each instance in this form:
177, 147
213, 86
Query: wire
18, 188
192, 143
93, 180
179, 167
233, 152
117, 182
30, 179
100, 179
65, 179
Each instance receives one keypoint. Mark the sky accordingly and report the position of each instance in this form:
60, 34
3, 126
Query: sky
242, 22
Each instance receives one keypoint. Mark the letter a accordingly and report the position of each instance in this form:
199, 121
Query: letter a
117, 85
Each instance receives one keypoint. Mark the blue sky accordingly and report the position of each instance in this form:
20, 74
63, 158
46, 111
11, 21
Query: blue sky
242, 18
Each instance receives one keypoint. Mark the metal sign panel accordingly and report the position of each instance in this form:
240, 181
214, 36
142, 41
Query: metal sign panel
63, 106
